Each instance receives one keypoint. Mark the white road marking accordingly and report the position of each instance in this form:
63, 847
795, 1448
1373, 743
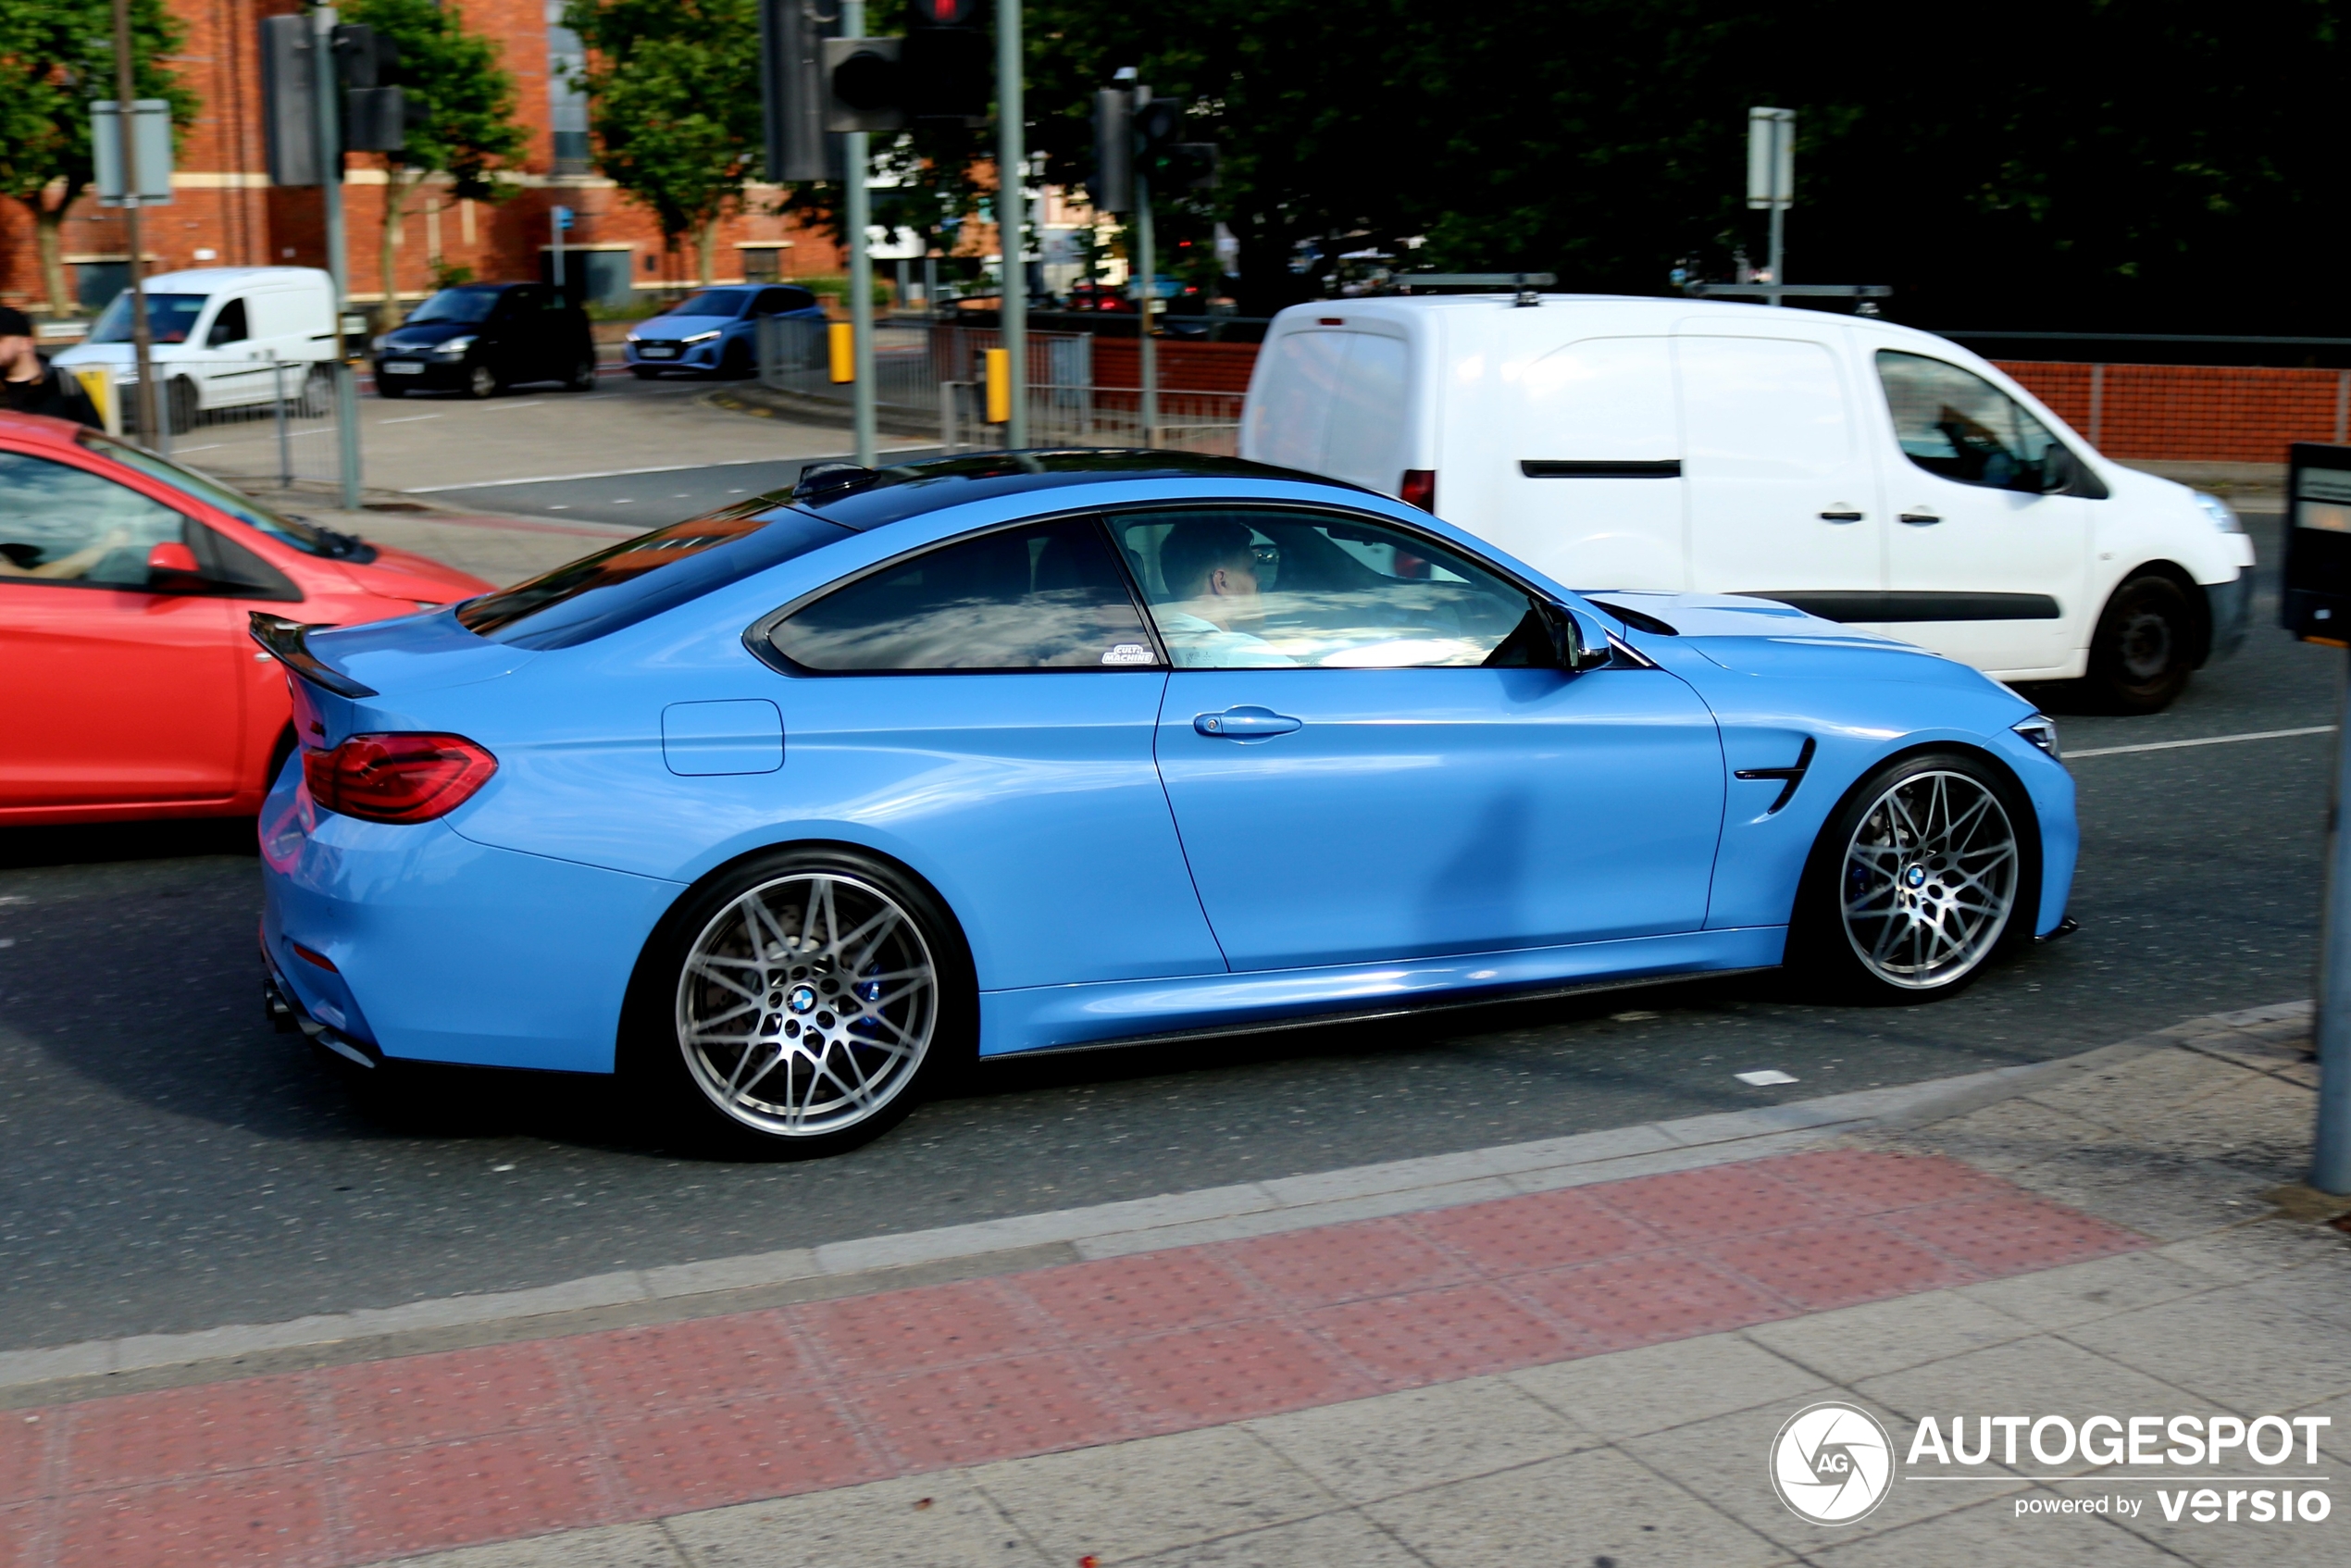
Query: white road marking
1768, 1077
410, 420
2203, 741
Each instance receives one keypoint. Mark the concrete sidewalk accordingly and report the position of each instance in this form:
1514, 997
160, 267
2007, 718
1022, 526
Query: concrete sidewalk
1591, 1371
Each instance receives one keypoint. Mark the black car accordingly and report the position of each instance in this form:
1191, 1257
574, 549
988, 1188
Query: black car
480, 339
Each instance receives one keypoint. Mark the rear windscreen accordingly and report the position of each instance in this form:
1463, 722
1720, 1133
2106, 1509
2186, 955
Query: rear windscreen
641, 577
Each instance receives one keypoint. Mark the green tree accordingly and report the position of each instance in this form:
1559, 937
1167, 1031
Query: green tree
467, 130
673, 88
56, 58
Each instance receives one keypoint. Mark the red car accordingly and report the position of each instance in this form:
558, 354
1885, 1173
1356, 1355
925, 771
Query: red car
131, 689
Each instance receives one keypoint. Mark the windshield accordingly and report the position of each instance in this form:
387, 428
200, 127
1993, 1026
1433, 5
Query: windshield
171, 317
455, 305
728, 303
303, 535
642, 576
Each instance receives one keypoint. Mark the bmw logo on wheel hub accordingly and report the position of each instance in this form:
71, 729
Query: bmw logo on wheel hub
802, 999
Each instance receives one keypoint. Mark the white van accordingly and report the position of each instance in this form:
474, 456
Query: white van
214, 330
1863, 471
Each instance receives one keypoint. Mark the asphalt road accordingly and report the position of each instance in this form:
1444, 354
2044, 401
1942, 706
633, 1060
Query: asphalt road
168, 1163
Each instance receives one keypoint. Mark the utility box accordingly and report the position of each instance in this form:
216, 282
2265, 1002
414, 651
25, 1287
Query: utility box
2315, 604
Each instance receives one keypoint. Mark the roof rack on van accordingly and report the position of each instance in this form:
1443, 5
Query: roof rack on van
1525, 283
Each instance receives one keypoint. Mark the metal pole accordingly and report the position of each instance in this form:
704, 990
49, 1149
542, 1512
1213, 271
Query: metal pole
1779, 221
126, 120
1012, 213
2331, 1161
278, 401
859, 161
1147, 244
328, 84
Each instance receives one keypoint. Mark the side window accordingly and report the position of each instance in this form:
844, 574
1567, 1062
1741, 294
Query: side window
237, 571
1044, 597
1245, 588
773, 302
793, 299
515, 303
66, 524
229, 327
1955, 423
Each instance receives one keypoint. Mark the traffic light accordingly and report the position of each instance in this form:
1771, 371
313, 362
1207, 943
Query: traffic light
946, 64
865, 92
375, 109
1113, 187
289, 87
792, 90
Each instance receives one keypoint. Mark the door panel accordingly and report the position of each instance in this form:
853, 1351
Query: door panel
1783, 496
122, 696
1972, 524
1593, 497
1415, 811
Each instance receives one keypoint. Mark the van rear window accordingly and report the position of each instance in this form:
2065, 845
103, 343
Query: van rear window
641, 577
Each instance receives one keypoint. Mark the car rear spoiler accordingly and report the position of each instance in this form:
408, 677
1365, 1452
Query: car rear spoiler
284, 641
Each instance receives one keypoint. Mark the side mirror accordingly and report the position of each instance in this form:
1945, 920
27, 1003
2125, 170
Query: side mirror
2058, 469
1578, 643
173, 565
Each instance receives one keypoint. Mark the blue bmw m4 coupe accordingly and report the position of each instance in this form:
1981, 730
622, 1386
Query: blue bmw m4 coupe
786, 809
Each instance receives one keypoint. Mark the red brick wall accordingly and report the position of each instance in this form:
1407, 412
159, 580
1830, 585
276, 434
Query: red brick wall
1183, 367
2192, 413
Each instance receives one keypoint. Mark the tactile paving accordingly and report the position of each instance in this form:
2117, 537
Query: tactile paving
357, 1463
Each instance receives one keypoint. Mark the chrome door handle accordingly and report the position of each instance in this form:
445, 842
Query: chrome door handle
1245, 724
1920, 519
1840, 517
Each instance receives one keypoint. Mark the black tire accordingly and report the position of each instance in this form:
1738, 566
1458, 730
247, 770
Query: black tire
735, 363
806, 996
583, 375
481, 381
385, 388
180, 395
2143, 652
1881, 953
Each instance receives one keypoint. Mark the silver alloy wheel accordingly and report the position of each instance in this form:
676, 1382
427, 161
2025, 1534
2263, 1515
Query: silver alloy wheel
807, 1004
481, 381
1930, 880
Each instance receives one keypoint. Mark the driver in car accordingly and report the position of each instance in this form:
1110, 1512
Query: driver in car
1211, 571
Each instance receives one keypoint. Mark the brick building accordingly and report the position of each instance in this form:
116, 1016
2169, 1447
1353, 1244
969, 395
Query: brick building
224, 211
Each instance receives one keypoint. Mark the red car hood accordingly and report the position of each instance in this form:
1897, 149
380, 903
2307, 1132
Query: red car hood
402, 574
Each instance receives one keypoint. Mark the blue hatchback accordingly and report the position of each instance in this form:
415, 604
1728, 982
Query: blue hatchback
713, 331
787, 808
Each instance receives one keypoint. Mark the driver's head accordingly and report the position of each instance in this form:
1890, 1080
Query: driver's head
1209, 560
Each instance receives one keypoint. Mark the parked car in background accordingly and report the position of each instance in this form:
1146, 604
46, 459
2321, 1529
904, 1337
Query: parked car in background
480, 339
214, 333
1866, 472
714, 332
125, 584
784, 809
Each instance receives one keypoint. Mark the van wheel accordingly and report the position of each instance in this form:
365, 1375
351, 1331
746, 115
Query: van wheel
2139, 655
1927, 868
319, 393
180, 398
798, 1004
481, 381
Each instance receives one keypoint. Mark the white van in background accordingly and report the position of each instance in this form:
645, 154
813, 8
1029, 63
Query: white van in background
214, 330
1863, 471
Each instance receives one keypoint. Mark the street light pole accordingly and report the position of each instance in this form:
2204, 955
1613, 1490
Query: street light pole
126, 121
2331, 1160
859, 159
327, 82
1012, 210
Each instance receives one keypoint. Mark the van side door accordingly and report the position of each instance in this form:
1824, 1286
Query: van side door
1586, 489
1780, 489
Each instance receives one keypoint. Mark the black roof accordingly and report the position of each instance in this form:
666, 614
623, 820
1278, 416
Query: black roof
862, 498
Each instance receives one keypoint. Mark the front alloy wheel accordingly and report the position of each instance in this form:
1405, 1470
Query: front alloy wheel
807, 1006
481, 381
1929, 881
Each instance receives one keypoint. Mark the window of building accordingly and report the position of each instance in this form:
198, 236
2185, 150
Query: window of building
568, 105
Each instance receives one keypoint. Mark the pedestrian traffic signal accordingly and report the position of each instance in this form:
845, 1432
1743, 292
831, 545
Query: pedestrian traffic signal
375, 106
793, 91
946, 63
1112, 186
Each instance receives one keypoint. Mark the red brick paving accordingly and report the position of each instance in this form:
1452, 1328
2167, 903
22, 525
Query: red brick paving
356, 1464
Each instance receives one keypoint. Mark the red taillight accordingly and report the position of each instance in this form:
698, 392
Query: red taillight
397, 778
1420, 489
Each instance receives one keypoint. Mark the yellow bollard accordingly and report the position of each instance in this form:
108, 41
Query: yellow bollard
98, 382
840, 338
1000, 386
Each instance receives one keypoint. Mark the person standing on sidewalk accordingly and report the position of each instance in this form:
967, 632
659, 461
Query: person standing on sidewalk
29, 384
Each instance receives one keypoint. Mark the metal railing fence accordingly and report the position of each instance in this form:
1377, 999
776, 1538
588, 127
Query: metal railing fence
254, 419
1206, 422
